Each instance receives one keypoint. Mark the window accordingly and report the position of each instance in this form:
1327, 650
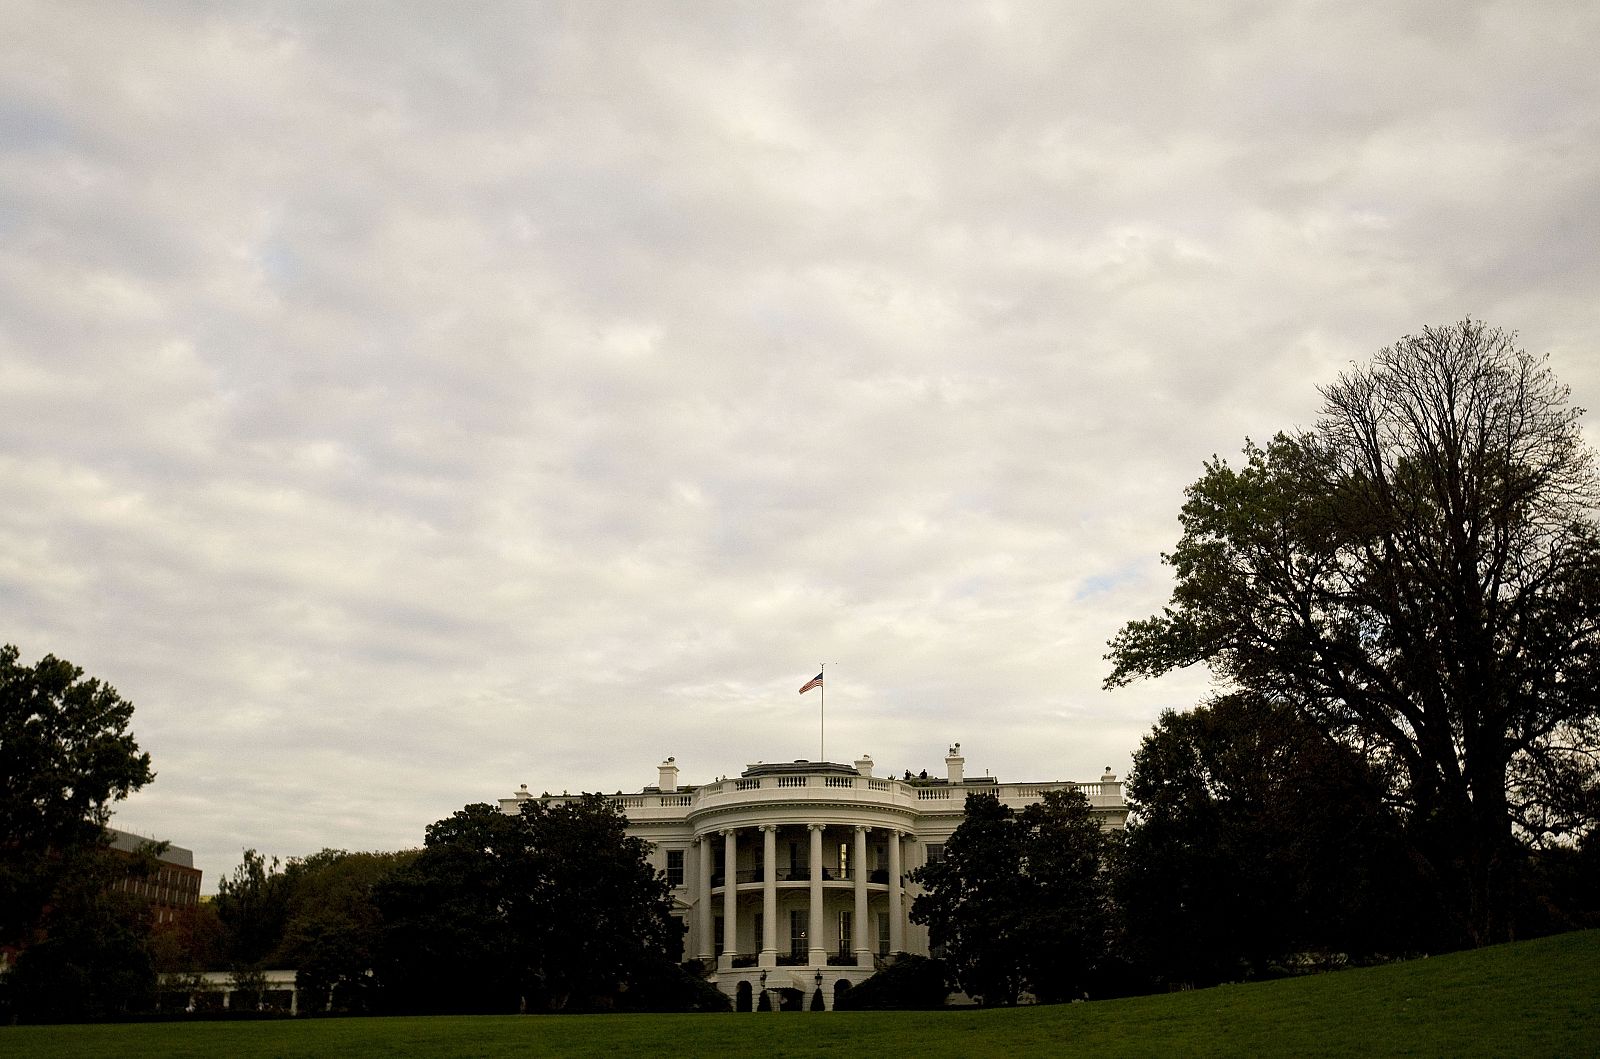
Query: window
716, 935
936, 853
797, 933
844, 860
761, 931
883, 934
674, 867
844, 932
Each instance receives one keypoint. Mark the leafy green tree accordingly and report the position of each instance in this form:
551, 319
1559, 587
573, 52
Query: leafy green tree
603, 912
332, 925
192, 940
1019, 902
1065, 858
92, 959
973, 902
1420, 575
65, 756
249, 986
552, 909
1255, 838
447, 943
253, 906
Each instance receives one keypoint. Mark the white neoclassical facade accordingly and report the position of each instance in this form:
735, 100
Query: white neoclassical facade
792, 876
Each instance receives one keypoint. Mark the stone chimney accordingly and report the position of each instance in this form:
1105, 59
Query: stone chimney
955, 763
864, 765
1108, 776
669, 776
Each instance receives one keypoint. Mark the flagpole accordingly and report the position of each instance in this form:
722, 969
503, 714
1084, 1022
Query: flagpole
822, 717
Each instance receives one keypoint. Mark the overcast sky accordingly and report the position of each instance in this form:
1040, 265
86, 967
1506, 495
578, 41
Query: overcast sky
400, 403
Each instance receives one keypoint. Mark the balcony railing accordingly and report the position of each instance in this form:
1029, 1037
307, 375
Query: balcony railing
798, 874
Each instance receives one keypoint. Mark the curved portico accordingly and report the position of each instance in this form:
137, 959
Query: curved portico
803, 860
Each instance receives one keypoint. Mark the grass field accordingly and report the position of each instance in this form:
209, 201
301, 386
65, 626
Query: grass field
1538, 998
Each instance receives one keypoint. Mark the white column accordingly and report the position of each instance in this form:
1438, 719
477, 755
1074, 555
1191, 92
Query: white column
818, 954
863, 953
897, 927
706, 916
730, 899
769, 895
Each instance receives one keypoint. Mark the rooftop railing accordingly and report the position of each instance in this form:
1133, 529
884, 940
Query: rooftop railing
923, 796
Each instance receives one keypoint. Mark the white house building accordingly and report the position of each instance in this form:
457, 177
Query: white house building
791, 876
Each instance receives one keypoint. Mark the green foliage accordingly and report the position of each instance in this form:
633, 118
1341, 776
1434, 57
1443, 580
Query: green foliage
1533, 998
92, 959
661, 985
65, 757
253, 906
332, 926
191, 940
1419, 574
1019, 901
907, 983
249, 989
1255, 838
317, 914
553, 909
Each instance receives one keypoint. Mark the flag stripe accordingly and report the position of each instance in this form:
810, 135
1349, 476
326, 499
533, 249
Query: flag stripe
814, 682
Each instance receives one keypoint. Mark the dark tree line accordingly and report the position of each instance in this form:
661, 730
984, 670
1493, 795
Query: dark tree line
1257, 847
553, 909
66, 756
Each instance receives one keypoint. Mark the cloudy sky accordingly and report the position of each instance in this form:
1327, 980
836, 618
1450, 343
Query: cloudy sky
399, 403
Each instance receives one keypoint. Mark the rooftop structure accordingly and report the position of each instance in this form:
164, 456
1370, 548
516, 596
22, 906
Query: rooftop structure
173, 887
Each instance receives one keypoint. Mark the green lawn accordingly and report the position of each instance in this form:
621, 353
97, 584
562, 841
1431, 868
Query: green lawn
1538, 998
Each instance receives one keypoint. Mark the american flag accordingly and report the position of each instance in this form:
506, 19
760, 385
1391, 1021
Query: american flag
814, 682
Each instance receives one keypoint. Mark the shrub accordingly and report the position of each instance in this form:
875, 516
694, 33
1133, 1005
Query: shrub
907, 983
